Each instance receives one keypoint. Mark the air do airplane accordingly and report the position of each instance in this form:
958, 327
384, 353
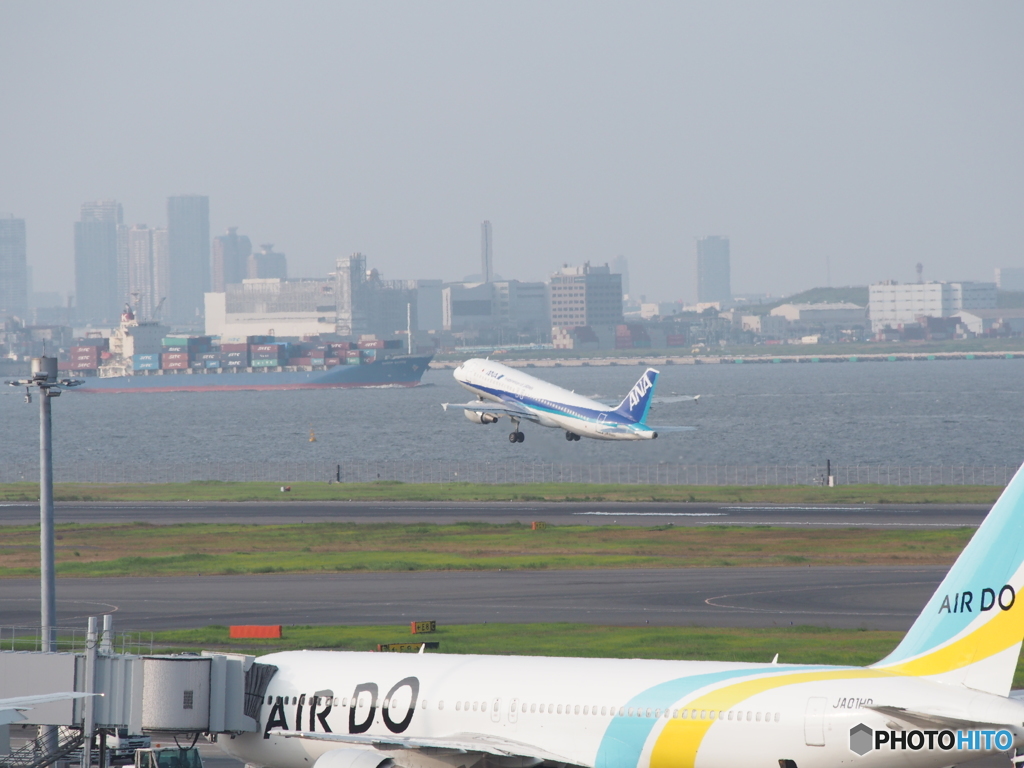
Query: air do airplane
503, 391
939, 699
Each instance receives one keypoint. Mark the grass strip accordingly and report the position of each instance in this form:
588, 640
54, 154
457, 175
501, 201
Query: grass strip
142, 549
396, 491
802, 644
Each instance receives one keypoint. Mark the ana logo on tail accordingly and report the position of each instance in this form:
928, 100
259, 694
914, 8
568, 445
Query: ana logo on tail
639, 389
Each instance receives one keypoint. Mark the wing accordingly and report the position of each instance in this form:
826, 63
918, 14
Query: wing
458, 743
931, 719
11, 709
498, 409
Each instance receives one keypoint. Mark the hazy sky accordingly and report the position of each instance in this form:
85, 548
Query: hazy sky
877, 134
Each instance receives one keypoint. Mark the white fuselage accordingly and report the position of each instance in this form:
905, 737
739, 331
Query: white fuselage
605, 713
550, 405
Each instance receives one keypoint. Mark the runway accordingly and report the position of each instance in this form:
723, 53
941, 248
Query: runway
905, 516
848, 597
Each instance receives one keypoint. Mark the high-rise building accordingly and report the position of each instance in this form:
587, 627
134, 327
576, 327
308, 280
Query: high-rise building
486, 254
366, 303
140, 270
97, 274
188, 244
230, 259
147, 270
713, 276
620, 265
13, 268
586, 295
161, 271
267, 264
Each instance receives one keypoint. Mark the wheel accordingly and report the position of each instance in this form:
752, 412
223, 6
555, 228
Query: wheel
576, 437
521, 437
569, 436
513, 437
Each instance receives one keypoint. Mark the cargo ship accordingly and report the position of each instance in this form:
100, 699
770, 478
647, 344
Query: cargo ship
204, 364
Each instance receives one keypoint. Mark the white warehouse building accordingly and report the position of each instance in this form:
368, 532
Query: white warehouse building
892, 304
837, 313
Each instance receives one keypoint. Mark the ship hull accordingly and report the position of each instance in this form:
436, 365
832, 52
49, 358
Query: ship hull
390, 372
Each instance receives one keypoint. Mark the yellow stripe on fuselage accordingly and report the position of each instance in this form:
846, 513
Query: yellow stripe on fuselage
677, 744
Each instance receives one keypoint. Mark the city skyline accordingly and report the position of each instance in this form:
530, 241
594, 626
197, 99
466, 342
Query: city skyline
860, 137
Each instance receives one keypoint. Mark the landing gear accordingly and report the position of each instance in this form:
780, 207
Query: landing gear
516, 437
571, 436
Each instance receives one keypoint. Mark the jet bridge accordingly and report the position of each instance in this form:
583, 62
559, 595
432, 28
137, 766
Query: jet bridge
182, 694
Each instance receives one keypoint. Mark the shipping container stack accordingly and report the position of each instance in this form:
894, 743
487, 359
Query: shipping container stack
234, 355
84, 358
268, 355
180, 353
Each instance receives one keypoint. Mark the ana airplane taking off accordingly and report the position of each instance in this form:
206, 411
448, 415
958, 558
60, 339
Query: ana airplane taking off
939, 699
504, 391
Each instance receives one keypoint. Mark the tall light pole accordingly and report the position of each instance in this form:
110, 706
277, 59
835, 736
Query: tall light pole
44, 379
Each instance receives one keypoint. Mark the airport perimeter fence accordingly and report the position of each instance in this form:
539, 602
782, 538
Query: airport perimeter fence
516, 472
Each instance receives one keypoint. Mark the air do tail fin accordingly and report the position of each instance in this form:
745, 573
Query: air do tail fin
970, 632
638, 402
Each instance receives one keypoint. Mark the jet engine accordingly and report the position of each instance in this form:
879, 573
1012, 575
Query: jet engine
353, 758
481, 418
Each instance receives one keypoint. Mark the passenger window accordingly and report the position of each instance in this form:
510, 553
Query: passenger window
758, 717
711, 715
750, 715
476, 704
648, 713
577, 710
440, 704
559, 709
682, 714
586, 710
526, 708
424, 704
458, 706
777, 714
730, 714
703, 714
630, 711
533, 708
693, 714
604, 710
270, 699
657, 713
